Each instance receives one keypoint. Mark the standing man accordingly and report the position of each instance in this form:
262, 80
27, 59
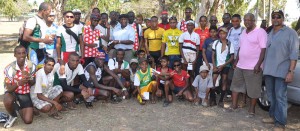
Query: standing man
226, 21
153, 39
235, 32
164, 21
213, 21
247, 75
104, 28
77, 15
137, 30
51, 33
114, 25
188, 16
35, 34
283, 44
123, 37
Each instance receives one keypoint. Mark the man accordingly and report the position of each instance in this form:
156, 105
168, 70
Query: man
247, 75
164, 21
283, 44
51, 33
71, 89
138, 30
95, 71
19, 77
235, 32
140, 19
69, 38
213, 21
170, 44
77, 15
188, 16
104, 28
264, 24
114, 25
153, 40
226, 21
35, 34
46, 97
123, 37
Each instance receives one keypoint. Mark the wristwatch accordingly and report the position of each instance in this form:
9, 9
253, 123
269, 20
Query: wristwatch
291, 71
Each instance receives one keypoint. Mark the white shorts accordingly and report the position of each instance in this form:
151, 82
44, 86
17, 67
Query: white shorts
190, 56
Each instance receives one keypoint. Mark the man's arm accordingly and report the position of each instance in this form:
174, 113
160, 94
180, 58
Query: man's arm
91, 70
66, 87
58, 50
27, 37
163, 48
81, 45
260, 60
181, 52
114, 76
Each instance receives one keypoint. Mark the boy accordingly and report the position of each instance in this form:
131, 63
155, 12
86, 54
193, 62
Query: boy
222, 56
143, 82
203, 82
134, 67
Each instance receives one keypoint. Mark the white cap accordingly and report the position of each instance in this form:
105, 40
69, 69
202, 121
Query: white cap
134, 61
203, 68
76, 11
190, 21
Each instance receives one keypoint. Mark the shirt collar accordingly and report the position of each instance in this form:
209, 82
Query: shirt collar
17, 66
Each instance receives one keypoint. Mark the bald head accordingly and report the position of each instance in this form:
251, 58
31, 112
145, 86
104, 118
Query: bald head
250, 15
249, 21
44, 6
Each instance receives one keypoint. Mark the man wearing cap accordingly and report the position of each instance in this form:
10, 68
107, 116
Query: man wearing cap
91, 36
123, 38
188, 16
283, 44
137, 30
164, 21
133, 69
95, 73
247, 77
51, 33
77, 15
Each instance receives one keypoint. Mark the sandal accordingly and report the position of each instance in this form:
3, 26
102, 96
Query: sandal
250, 115
55, 116
71, 106
89, 105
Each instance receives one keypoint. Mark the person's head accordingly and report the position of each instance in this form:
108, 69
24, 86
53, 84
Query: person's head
177, 65
69, 17
104, 18
123, 20
249, 21
203, 71
213, 31
173, 22
164, 61
203, 21
236, 20
277, 18
213, 20
148, 22
100, 59
49, 64
73, 60
190, 26
113, 16
226, 18
164, 17
96, 10
51, 17
20, 53
188, 12
77, 14
95, 18
154, 21
131, 17
118, 16
120, 55
263, 24
45, 9
139, 19
143, 64
223, 33
141, 54
134, 64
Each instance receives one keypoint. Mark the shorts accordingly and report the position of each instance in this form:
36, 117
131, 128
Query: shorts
23, 99
177, 89
224, 71
147, 88
190, 56
246, 81
51, 94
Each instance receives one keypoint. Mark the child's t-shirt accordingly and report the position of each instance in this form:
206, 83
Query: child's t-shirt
208, 49
142, 79
202, 84
222, 57
159, 70
179, 79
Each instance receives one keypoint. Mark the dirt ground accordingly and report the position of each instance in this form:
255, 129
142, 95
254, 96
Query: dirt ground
130, 116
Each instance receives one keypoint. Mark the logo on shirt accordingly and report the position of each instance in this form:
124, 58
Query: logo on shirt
173, 39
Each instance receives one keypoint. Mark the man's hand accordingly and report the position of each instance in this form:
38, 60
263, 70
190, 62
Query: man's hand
62, 70
208, 65
57, 105
47, 41
90, 91
289, 77
220, 68
257, 69
23, 81
117, 91
179, 93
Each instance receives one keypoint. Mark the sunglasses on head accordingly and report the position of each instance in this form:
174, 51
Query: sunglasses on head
278, 17
69, 16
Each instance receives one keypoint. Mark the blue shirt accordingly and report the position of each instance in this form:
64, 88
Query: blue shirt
52, 30
208, 49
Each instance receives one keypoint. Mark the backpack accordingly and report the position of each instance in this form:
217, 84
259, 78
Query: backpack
26, 43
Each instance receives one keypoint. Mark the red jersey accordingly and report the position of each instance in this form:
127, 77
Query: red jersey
179, 79
165, 27
203, 34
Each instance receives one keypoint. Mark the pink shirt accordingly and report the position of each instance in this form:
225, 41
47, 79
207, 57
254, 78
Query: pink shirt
250, 47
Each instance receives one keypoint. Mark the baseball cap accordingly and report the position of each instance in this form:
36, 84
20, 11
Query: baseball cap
279, 12
203, 68
100, 55
190, 21
134, 61
223, 29
164, 12
76, 11
142, 60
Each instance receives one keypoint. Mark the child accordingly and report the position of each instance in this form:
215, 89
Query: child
133, 69
203, 82
222, 56
142, 54
143, 81
162, 78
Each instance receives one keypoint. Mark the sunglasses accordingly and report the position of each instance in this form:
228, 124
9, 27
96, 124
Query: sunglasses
176, 65
69, 16
278, 17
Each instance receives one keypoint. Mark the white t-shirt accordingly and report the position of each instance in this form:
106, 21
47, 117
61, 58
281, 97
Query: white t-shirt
69, 74
189, 41
103, 31
126, 33
31, 23
43, 82
233, 37
203, 84
113, 64
67, 40
221, 56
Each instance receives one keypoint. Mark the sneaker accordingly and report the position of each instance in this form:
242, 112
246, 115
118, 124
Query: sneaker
166, 103
269, 120
279, 128
10, 121
204, 103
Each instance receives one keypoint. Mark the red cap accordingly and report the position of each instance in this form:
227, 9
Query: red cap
100, 55
164, 12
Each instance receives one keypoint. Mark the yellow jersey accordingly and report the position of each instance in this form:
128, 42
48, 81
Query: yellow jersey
170, 37
154, 38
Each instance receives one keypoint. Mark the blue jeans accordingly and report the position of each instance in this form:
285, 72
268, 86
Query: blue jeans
277, 94
172, 58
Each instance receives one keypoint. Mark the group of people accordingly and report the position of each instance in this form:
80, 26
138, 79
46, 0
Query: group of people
61, 66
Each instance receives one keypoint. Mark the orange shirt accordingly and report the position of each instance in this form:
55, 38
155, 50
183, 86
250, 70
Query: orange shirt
203, 34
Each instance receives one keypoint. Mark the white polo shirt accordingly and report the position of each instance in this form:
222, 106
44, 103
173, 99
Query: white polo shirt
113, 64
126, 33
190, 41
69, 74
69, 44
222, 56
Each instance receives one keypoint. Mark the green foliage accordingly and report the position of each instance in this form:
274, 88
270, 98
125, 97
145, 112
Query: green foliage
10, 9
294, 24
237, 6
276, 5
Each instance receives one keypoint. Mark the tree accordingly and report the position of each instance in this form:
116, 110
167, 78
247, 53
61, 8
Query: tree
237, 6
10, 9
58, 6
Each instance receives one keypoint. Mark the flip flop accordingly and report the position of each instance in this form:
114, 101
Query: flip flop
55, 116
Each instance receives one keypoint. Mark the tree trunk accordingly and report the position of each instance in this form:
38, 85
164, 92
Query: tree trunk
214, 8
205, 6
93, 5
58, 6
162, 7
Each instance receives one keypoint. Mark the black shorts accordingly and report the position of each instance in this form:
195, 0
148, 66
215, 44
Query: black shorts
24, 100
224, 71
